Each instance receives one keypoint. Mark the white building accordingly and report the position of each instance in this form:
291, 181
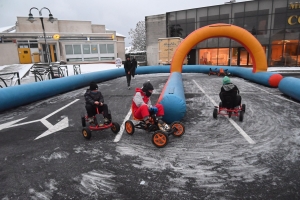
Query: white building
77, 42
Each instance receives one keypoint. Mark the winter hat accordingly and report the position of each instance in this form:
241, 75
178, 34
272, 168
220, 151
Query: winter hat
226, 80
147, 86
93, 86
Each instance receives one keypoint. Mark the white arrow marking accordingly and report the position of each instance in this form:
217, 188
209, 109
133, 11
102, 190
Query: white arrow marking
51, 129
8, 124
57, 127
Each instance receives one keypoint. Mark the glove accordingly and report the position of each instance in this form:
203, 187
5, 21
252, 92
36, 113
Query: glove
153, 109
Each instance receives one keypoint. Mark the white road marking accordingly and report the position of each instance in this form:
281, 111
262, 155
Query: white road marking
8, 124
51, 128
57, 127
278, 96
119, 135
238, 128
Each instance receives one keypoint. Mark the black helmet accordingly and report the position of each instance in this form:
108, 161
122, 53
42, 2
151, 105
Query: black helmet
93, 86
146, 87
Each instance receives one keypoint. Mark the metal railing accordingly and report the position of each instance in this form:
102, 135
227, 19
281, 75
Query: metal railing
4, 78
76, 69
46, 72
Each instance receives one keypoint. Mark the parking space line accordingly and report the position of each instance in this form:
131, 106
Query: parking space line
119, 135
238, 128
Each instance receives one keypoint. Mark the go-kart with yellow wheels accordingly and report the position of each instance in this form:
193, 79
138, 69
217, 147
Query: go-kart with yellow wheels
160, 137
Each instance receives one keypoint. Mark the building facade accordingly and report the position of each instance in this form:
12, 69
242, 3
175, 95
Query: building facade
70, 41
275, 23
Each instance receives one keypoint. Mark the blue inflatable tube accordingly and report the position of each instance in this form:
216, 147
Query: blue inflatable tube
173, 99
291, 87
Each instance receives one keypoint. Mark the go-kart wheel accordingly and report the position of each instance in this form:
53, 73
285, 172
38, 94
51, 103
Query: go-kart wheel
179, 129
87, 134
160, 139
129, 127
229, 114
83, 122
215, 113
244, 107
115, 127
241, 116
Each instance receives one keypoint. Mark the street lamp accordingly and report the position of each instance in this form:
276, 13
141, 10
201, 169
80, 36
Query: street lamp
51, 19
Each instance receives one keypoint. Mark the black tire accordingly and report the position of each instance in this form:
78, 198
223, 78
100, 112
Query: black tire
241, 116
244, 107
160, 139
215, 113
115, 127
129, 127
229, 114
179, 128
83, 122
87, 133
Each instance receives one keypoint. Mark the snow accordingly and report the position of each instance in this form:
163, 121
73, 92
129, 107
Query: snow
5, 28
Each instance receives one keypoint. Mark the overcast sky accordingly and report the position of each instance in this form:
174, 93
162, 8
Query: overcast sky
118, 15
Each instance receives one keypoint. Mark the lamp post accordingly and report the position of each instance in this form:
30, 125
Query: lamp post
51, 19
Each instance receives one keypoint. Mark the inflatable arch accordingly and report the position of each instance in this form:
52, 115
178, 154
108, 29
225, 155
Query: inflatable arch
236, 33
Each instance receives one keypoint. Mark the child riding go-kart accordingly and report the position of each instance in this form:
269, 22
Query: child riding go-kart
94, 104
230, 101
150, 117
160, 137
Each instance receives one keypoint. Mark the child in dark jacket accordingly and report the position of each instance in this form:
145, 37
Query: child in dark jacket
231, 90
94, 99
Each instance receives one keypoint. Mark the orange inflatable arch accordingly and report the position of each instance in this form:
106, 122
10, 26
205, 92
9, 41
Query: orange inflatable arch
236, 33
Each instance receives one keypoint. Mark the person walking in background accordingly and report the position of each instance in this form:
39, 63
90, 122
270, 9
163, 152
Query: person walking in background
134, 66
128, 70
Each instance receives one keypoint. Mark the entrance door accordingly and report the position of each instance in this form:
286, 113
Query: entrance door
192, 57
24, 55
243, 57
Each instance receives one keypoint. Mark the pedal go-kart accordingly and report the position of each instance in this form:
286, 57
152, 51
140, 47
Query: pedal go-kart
219, 73
97, 126
159, 138
237, 111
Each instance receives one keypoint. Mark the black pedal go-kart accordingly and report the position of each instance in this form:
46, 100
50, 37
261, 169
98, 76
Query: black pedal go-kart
160, 138
96, 125
237, 111
221, 72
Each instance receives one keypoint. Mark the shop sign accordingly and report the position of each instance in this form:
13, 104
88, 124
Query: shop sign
294, 19
294, 5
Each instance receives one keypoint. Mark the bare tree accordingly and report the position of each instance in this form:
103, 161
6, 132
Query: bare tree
138, 37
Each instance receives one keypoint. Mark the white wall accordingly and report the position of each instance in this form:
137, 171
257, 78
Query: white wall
9, 54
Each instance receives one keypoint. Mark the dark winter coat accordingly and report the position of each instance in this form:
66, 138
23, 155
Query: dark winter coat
127, 66
230, 88
91, 97
134, 63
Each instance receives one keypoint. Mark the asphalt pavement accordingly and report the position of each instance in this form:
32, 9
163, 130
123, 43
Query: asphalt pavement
45, 156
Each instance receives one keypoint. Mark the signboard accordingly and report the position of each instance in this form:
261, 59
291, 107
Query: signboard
118, 62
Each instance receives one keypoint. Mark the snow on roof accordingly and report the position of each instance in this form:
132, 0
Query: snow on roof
117, 34
2, 29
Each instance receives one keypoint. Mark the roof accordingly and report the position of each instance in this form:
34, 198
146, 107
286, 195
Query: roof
8, 29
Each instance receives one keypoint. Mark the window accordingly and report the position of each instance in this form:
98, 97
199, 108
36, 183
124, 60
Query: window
33, 45
107, 48
77, 49
103, 48
110, 48
86, 49
94, 48
69, 49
